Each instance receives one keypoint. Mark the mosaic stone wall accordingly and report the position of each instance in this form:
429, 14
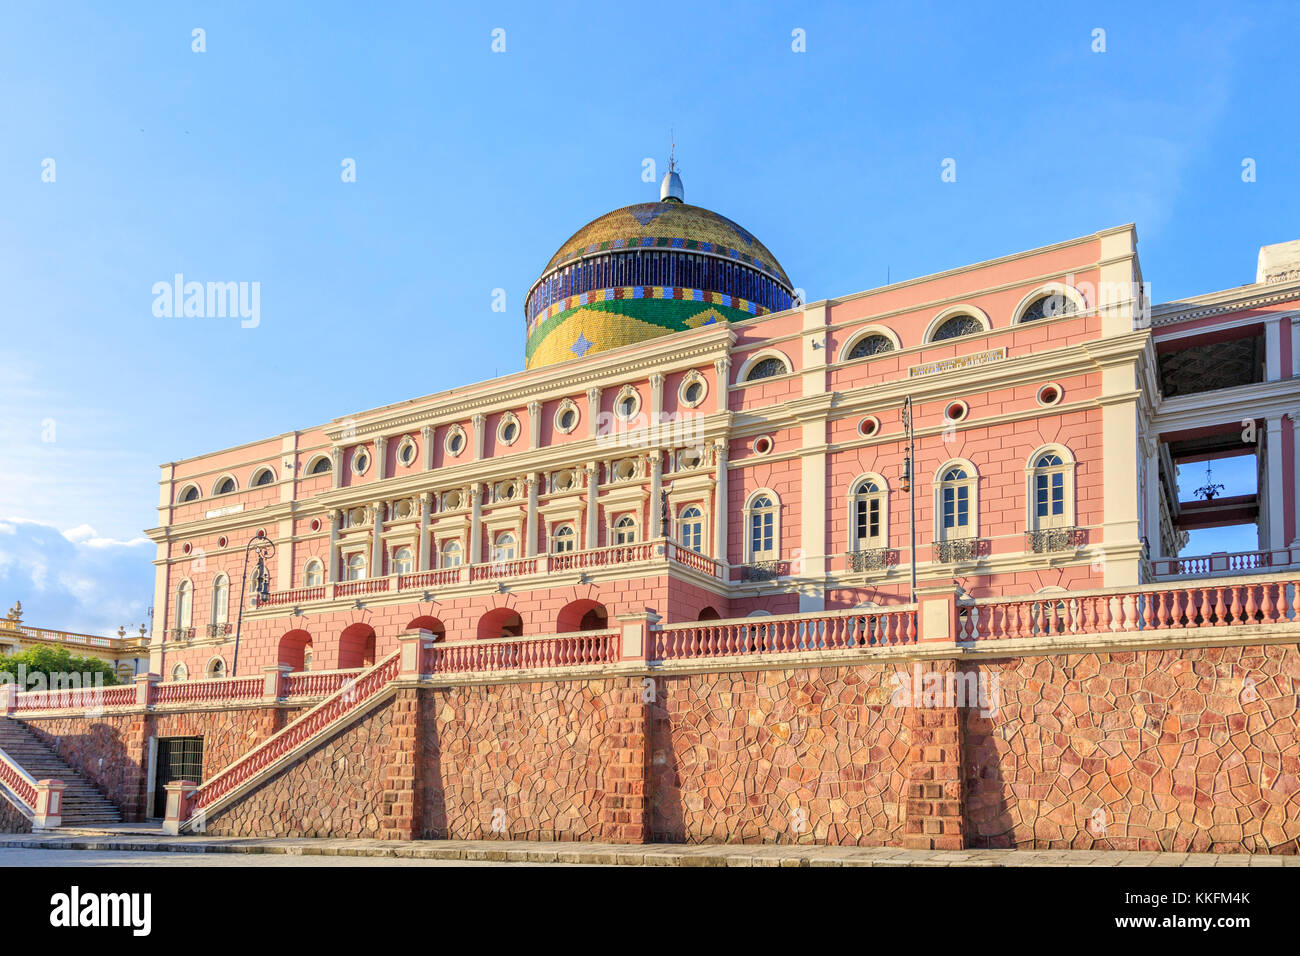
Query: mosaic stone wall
535, 761
791, 756
1192, 750
109, 751
337, 790
12, 819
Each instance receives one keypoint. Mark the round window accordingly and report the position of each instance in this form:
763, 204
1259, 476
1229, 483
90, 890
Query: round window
868, 426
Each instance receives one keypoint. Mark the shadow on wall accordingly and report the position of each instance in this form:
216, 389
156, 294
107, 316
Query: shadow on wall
100, 754
667, 821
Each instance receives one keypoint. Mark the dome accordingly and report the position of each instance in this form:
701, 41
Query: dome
648, 270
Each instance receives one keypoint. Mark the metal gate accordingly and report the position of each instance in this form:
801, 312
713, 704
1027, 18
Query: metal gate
179, 758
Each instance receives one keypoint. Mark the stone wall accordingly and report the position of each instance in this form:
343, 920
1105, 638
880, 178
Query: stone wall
792, 756
12, 820
336, 790
554, 760
1190, 750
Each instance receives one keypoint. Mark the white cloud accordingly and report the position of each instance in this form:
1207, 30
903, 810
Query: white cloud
75, 580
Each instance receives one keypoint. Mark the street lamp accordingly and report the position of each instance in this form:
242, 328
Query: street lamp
265, 548
909, 485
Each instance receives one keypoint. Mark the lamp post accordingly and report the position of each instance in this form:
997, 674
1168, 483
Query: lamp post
909, 486
265, 548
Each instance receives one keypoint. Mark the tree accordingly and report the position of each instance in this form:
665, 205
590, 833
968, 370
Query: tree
56, 666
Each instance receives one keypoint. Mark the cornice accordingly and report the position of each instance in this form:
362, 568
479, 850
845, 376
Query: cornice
1251, 296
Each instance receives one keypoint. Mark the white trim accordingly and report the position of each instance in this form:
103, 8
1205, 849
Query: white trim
860, 334
315, 460
361, 451
624, 393
306, 569
881, 540
1050, 288
406, 442
217, 484
975, 312
207, 668
693, 377
756, 357
508, 418
258, 472
1067, 468
180, 494
566, 405
971, 481
747, 512
454, 430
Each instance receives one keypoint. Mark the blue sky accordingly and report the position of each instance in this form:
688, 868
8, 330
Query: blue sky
473, 166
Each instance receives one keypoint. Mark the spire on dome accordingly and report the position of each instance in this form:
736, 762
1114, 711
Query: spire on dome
670, 190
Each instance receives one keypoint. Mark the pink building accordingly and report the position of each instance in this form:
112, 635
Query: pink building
689, 437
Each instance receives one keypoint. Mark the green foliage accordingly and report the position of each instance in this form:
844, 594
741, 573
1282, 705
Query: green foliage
49, 661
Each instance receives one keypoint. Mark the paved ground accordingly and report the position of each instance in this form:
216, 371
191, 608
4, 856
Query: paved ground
118, 846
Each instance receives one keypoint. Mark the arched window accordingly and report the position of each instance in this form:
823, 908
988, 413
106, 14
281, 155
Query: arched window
185, 605
314, 575
505, 547
957, 326
220, 599
356, 567
180, 672
264, 477
690, 529
868, 514
225, 486
1051, 489
762, 534
215, 670
451, 554
191, 493
322, 466
956, 505
625, 530
563, 539
873, 344
1049, 306
766, 368
403, 561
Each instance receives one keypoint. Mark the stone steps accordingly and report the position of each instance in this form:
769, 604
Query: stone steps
83, 803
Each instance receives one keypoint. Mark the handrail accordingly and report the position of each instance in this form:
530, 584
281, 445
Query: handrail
208, 691
21, 783
75, 698
1209, 603
786, 633
529, 651
343, 702
316, 683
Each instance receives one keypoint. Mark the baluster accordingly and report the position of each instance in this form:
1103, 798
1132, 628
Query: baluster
1252, 608
1236, 604
1295, 600
1219, 609
911, 626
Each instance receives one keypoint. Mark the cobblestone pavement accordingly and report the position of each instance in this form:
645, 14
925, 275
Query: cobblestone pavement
139, 858
119, 842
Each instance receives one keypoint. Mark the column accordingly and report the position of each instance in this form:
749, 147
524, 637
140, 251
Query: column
336, 466
480, 429
1151, 446
1276, 486
1294, 480
426, 505
534, 425
476, 523
426, 446
381, 458
722, 368
657, 529
1273, 349
377, 541
593, 507
656, 399
720, 505
593, 411
531, 535
335, 519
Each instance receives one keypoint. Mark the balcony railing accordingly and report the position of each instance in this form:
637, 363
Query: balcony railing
872, 559
1048, 540
789, 633
1157, 607
521, 653
618, 555
1225, 562
960, 550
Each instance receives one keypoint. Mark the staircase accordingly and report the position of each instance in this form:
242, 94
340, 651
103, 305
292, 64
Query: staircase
83, 805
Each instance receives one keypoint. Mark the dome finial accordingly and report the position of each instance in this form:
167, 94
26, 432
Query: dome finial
670, 190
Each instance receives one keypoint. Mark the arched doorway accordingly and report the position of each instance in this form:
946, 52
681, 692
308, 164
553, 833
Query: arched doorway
709, 614
430, 624
582, 615
295, 649
356, 647
500, 622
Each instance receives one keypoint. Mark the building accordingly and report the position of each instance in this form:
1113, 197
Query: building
129, 655
897, 568
686, 437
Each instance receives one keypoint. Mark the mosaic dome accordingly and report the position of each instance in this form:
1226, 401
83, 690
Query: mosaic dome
647, 270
